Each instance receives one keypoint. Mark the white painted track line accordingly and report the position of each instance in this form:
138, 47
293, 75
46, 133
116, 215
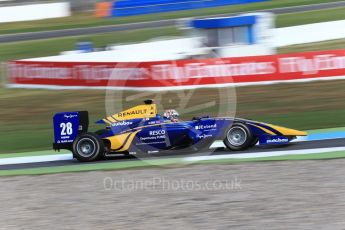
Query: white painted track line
35, 159
263, 154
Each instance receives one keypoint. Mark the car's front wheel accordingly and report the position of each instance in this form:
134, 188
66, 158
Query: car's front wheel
238, 137
88, 147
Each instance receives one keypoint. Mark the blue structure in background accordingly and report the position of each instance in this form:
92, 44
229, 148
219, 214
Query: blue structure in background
136, 7
85, 47
245, 22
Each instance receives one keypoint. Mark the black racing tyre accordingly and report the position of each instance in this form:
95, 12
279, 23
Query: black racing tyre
238, 137
88, 147
254, 142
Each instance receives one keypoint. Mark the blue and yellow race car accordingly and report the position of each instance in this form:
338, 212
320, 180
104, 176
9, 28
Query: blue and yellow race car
141, 130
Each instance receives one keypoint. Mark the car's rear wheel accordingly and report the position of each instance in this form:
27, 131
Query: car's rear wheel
255, 140
88, 147
238, 137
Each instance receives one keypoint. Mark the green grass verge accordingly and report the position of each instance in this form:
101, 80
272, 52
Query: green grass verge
314, 46
87, 20
297, 157
308, 17
303, 120
48, 47
326, 130
26, 123
91, 167
173, 162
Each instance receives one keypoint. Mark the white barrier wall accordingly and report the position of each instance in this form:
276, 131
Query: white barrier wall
34, 12
246, 50
147, 51
182, 47
309, 33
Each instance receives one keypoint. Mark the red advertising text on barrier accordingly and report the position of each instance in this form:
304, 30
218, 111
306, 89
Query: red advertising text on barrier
256, 69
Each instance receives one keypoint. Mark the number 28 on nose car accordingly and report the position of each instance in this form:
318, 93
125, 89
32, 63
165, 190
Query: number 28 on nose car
143, 130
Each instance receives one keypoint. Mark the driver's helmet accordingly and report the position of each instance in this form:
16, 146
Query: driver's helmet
172, 115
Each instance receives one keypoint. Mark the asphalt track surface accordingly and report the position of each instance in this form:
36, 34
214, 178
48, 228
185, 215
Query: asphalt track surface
292, 146
144, 25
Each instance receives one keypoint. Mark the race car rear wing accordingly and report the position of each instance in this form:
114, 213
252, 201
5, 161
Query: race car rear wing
147, 110
67, 126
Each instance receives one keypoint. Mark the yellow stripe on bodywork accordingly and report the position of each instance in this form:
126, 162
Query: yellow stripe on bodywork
111, 119
106, 121
264, 129
287, 132
119, 140
129, 141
